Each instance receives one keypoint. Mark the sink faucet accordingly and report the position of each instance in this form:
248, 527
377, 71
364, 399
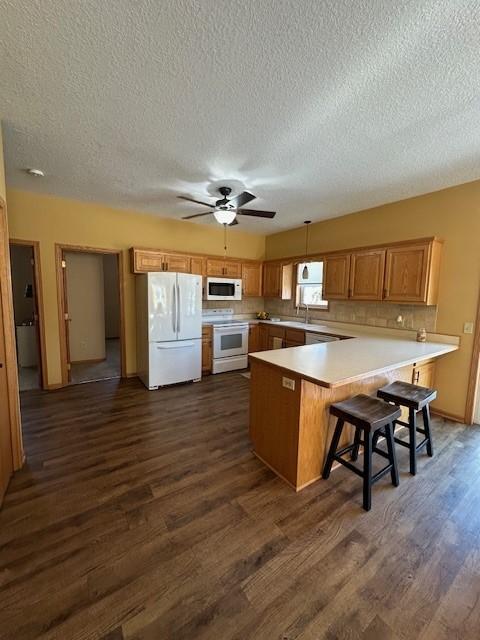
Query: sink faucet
306, 314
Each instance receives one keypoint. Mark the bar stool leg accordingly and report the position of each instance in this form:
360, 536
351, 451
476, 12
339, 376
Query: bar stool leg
426, 423
333, 448
356, 444
392, 455
412, 422
367, 471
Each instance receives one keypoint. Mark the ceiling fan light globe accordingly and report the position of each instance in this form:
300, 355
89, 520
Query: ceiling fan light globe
224, 216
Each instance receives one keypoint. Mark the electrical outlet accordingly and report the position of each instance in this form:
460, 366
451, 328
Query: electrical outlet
288, 383
468, 327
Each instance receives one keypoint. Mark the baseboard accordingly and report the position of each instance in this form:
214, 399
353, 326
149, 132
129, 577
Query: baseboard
92, 361
448, 416
54, 387
131, 375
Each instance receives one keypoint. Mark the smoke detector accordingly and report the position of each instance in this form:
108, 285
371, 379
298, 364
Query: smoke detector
36, 173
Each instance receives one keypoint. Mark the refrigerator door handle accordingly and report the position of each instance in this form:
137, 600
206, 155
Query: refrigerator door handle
174, 314
179, 310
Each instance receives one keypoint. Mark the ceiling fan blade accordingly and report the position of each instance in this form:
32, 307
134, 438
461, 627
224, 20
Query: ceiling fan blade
205, 204
241, 199
197, 215
232, 224
257, 214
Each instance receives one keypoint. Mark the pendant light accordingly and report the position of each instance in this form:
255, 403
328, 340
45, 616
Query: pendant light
305, 268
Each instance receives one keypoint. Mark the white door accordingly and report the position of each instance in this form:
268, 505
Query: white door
162, 297
189, 306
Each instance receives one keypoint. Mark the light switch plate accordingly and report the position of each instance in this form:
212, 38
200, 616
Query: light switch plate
468, 327
288, 383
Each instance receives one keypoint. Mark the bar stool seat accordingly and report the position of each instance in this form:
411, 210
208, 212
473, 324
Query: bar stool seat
371, 418
407, 394
415, 398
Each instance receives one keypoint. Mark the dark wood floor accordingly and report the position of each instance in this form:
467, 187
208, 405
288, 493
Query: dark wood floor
144, 515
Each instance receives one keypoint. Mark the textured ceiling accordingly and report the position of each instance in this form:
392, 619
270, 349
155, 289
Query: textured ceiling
318, 107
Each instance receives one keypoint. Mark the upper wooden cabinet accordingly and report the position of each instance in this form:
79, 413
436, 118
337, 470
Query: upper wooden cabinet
336, 276
174, 262
197, 265
224, 268
278, 280
366, 274
405, 272
411, 272
252, 279
145, 260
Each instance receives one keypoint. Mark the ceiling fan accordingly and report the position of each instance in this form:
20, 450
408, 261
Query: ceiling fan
227, 209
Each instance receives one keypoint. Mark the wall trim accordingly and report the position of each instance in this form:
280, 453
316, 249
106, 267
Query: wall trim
473, 380
448, 416
13, 394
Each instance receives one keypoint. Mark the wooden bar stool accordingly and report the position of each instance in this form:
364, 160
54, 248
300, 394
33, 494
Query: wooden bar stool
415, 398
371, 418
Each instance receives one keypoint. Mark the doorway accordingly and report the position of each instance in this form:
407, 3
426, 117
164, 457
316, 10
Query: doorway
28, 314
91, 314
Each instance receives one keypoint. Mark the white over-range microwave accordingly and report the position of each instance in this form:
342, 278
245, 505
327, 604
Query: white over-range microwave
223, 289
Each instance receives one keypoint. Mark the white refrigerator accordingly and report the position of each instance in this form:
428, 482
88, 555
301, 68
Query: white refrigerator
169, 328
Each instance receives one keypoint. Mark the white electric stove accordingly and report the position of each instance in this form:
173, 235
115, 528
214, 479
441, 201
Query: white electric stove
230, 340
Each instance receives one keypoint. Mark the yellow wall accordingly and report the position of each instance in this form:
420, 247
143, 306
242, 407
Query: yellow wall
53, 220
452, 215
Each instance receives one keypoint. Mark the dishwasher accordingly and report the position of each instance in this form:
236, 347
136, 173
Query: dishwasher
316, 338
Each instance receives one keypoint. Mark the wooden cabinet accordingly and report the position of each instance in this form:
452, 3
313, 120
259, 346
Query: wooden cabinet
411, 273
407, 272
146, 260
336, 277
207, 349
197, 265
233, 269
262, 337
289, 337
366, 274
424, 374
253, 338
294, 337
271, 280
252, 279
174, 262
223, 268
278, 280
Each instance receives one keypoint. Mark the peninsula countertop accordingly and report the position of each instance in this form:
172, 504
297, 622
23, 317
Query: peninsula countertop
333, 364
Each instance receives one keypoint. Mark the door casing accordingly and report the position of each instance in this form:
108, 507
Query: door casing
60, 250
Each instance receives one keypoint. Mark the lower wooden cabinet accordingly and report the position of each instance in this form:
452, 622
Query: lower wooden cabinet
253, 338
262, 337
424, 374
207, 349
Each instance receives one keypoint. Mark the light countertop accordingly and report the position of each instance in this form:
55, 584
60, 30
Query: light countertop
333, 364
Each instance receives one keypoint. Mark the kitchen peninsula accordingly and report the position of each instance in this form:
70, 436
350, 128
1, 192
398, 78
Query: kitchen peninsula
293, 388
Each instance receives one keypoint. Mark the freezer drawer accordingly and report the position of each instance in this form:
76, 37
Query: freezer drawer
173, 362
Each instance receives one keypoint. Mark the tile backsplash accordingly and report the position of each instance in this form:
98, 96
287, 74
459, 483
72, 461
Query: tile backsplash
377, 314
247, 306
